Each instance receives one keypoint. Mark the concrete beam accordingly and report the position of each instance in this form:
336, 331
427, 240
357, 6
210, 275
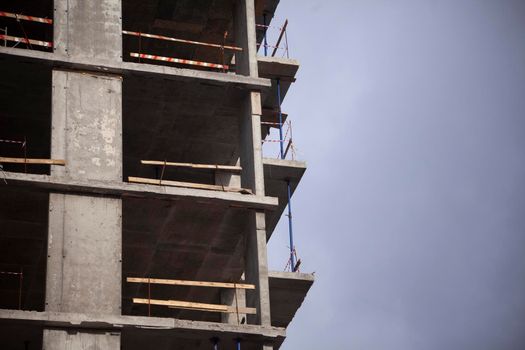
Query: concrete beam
123, 189
100, 65
100, 322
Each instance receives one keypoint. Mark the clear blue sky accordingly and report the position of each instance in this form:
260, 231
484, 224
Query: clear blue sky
411, 116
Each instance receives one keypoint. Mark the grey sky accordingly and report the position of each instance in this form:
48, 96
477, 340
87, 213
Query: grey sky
411, 116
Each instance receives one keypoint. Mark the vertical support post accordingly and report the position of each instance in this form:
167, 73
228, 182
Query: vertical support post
289, 189
290, 228
265, 28
238, 344
85, 232
245, 37
281, 141
215, 342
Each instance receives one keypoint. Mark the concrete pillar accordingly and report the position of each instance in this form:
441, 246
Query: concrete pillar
85, 232
257, 270
252, 175
234, 298
88, 29
245, 37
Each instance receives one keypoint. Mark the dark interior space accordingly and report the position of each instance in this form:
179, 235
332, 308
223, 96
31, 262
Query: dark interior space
24, 28
177, 121
142, 339
23, 248
25, 114
205, 21
180, 240
18, 336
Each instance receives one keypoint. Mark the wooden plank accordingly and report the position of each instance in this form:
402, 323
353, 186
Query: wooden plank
148, 181
188, 305
190, 283
32, 161
192, 165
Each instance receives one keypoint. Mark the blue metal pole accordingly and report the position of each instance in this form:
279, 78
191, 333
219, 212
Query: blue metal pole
265, 30
290, 229
238, 342
281, 141
215, 342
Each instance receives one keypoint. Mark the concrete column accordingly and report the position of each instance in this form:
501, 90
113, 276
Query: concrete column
257, 270
85, 232
234, 298
245, 37
88, 29
252, 175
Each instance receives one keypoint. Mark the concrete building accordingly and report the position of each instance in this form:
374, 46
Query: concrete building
101, 249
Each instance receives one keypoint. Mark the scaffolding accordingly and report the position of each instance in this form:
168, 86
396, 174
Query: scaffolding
277, 46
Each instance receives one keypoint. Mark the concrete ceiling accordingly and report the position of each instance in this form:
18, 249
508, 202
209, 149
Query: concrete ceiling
179, 122
180, 240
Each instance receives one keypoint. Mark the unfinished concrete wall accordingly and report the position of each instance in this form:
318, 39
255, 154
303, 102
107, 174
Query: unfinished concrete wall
87, 125
55, 339
84, 253
252, 176
85, 232
90, 29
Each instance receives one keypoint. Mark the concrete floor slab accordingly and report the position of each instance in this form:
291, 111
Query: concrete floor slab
276, 174
287, 293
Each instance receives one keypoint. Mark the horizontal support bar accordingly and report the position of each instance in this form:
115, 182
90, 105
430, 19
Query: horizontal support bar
190, 283
144, 180
26, 41
188, 305
32, 161
179, 60
192, 165
162, 37
26, 18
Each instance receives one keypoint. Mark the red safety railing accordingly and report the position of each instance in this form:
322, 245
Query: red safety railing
222, 47
287, 140
25, 40
279, 45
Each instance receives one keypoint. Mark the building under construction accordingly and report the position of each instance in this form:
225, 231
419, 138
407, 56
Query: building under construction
135, 201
